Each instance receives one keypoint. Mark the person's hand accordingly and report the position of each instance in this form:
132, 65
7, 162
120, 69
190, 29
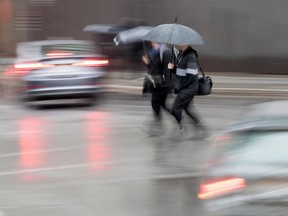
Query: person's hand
170, 66
145, 59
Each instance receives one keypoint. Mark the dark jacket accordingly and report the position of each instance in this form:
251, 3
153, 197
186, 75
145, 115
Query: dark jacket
169, 76
155, 66
159, 66
187, 72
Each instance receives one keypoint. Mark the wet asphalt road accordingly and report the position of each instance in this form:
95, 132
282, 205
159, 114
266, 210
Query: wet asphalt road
78, 160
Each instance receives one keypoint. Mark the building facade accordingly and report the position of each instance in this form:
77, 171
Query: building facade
240, 35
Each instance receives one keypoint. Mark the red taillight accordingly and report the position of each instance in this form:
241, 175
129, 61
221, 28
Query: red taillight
23, 68
219, 187
58, 54
15, 71
93, 62
32, 66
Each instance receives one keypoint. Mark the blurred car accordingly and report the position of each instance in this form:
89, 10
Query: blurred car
59, 69
124, 55
248, 170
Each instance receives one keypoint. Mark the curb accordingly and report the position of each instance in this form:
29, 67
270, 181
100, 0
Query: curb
225, 84
137, 90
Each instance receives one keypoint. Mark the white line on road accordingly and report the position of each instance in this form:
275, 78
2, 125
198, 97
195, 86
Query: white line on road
40, 151
216, 89
72, 166
251, 89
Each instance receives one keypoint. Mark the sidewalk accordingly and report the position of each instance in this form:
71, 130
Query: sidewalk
238, 84
224, 83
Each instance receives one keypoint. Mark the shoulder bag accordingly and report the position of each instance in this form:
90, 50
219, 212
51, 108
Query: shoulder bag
204, 82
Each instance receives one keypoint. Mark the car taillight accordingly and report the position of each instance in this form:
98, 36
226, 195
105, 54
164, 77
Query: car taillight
221, 186
23, 68
32, 66
58, 54
93, 62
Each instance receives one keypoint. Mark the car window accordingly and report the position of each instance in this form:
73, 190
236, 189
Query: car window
262, 147
26, 52
68, 48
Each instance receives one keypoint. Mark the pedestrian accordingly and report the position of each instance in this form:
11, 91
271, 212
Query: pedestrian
156, 61
186, 87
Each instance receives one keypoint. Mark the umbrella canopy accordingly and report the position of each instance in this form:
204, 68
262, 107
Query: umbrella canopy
104, 28
132, 35
175, 34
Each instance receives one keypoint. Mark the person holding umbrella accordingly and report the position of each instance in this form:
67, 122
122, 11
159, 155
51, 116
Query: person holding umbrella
156, 61
186, 66
186, 86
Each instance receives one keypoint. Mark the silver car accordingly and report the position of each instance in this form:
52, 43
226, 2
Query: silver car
247, 173
60, 69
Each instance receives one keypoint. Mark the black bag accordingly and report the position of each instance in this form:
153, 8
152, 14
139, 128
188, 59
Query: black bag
205, 83
147, 85
152, 82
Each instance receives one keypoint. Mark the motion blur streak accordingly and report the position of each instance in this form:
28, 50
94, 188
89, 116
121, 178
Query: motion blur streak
32, 66
59, 54
221, 187
93, 63
31, 142
97, 134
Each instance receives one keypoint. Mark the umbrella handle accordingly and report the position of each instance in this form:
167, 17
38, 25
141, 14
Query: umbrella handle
172, 60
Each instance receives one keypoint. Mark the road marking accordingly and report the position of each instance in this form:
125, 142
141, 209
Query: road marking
40, 151
72, 166
118, 87
251, 89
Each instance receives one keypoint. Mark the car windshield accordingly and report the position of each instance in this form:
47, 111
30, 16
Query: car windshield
259, 147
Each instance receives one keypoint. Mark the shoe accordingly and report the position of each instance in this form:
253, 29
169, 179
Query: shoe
200, 132
153, 129
176, 133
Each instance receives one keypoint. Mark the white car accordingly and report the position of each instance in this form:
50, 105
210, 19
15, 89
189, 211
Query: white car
59, 69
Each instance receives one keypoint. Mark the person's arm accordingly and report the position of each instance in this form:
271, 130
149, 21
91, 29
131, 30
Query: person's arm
146, 60
192, 66
191, 73
191, 78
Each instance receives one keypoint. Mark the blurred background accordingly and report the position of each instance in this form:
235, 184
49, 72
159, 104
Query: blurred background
66, 157
240, 36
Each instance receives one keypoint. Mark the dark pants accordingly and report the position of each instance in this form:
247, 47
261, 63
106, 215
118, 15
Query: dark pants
158, 100
182, 102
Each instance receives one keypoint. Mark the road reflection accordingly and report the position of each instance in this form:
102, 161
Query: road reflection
97, 137
175, 196
86, 144
31, 142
